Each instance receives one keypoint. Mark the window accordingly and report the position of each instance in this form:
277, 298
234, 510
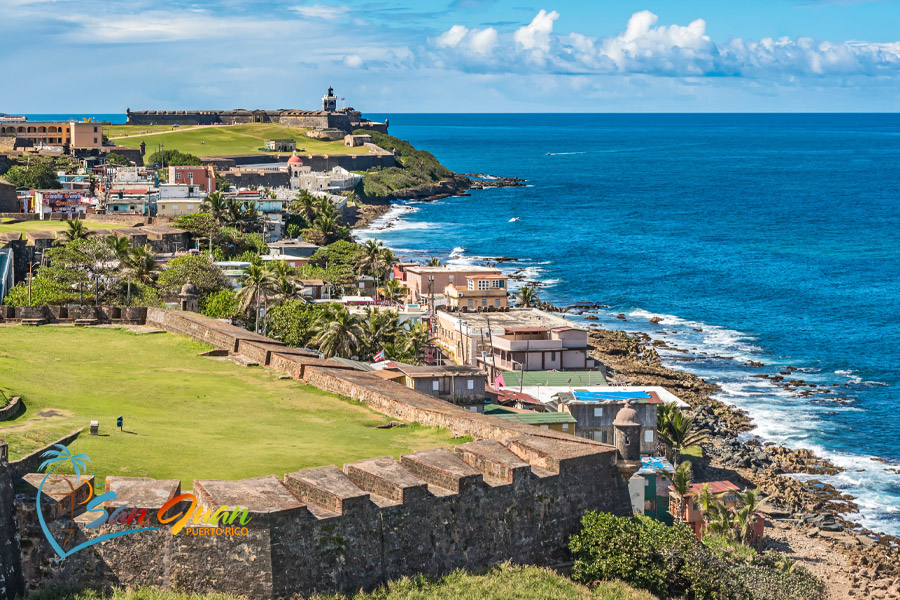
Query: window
565, 426
473, 408
545, 427
163, 207
177, 175
95, 131
452, 277
471, 284
648, 436
484, 301
484, 284
95, 140
552, 356
471, 304
598, 412
497, 302
603, 437
435, 385
498, 283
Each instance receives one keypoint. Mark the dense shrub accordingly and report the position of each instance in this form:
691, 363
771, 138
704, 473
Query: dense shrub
223, 304
417, 167
198, 268
670, 562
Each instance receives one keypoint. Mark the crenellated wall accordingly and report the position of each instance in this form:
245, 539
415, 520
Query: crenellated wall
516, 493
328, 530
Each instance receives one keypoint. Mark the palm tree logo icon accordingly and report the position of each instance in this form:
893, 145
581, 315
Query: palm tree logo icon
56, 459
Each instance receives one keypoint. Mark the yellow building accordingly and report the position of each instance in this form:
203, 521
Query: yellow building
34, 134
481, 292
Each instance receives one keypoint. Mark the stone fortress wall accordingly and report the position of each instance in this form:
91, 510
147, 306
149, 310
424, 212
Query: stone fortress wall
346, 119
515, 493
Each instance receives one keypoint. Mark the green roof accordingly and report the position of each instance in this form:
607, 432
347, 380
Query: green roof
530, 418
554, 378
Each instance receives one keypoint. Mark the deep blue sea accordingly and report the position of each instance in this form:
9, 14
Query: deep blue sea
778, 236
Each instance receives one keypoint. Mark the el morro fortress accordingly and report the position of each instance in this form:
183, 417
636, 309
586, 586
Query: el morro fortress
329, 117
516, 493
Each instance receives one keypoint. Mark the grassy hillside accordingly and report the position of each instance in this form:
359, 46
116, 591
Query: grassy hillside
219, 140
418, 167
186, 416
500, 583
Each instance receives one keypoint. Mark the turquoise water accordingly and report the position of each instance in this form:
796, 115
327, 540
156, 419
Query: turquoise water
778, 236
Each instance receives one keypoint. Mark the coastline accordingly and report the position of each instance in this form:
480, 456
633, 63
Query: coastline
804, 515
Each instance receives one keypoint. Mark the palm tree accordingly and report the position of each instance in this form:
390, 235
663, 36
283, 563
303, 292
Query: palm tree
75, 230
327, 226
392, 291
527, 296
677, 433
681, 482
305, 207
142, 265
281, 268
417, 338
433, 262
336, 332
256, 282
285, 289
216, 205
378, 329
745, 516
325, 207
369, 257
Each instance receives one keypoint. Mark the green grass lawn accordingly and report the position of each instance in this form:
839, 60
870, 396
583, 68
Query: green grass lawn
186, 416
114, 131
24, 226
247, 138
500, 583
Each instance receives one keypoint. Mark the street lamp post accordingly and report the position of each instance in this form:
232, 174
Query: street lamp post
30, 273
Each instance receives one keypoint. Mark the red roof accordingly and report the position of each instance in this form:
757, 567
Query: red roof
715, 487
293, 160
486, 277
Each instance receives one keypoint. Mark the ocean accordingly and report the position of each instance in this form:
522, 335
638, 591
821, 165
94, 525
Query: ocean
771, 238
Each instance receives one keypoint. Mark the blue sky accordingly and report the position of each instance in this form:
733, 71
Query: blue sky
451, 55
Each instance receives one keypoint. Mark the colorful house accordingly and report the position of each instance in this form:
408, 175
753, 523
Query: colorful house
649, 488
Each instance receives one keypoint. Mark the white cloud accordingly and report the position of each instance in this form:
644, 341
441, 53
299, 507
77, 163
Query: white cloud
452, 37
354, 61
327, 12
479, 42
645, 47
536, 35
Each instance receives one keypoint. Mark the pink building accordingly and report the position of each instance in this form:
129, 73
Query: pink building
424, 281
203, 177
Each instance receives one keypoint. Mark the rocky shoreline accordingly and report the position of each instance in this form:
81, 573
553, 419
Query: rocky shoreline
866, 563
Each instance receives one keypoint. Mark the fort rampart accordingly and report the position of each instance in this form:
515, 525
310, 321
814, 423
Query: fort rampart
515, 493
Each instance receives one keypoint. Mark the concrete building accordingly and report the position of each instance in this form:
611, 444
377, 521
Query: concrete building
357, 140
281, 145
37, 134
336, 180
478, 292
424, 281
464, 386
177, 199
132, 201
58, 201
538, 349
293, 248
202, 177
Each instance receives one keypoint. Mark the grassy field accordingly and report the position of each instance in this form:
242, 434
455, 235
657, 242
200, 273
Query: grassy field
186, 416
24, 226
500, 583
114, 131
231, 139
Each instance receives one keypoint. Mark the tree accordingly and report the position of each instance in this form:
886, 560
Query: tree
378, 329
745, 516
207, 277
114, 158
223, 304
527, 296
75, 230
172, 158
681, 482
677, 434
393, 290
416, 339
433, 262
216, 205
37, 176
369, 258
201, 225
84, 262
305, 207
257, 281
291, 322
121, 246
336, 332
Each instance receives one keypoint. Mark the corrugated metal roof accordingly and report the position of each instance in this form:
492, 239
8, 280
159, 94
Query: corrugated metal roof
530, 418
554, 378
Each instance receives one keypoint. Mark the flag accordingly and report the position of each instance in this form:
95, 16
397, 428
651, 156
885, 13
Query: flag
379, 357
499, 383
